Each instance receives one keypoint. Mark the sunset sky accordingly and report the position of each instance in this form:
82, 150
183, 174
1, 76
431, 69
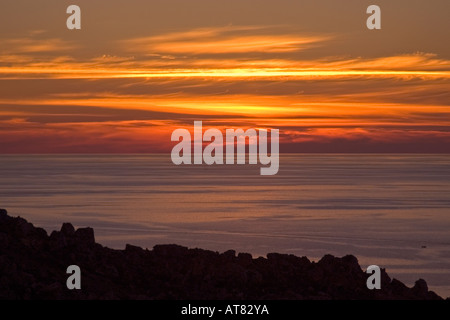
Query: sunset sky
139, 69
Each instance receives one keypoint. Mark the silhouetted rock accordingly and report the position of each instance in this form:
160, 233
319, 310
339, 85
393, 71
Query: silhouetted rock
85, 235
67, 229
420, 288
3, 213
33, 266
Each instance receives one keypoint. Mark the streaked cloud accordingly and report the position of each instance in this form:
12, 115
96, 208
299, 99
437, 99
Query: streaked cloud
113, 67
32, 45
128, 92
224, 40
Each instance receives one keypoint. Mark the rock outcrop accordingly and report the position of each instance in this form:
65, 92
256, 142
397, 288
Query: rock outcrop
33, 266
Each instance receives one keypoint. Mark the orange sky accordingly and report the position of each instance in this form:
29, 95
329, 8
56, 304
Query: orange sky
138, 70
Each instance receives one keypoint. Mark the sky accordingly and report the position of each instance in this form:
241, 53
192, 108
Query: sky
137, 70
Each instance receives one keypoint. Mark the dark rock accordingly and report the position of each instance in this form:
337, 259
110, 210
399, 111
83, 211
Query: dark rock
229, 255
24, 227
421, 291
133, 249
67, 229
108, 270
170, 250
420, 287
58, 240
33, 266
245, 259
85, 235
351, 263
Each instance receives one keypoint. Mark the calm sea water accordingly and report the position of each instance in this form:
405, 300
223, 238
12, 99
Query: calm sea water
388, 210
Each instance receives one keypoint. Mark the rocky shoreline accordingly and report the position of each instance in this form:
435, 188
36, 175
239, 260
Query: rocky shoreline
33, 266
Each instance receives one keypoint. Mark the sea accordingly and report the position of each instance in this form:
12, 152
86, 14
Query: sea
390, 210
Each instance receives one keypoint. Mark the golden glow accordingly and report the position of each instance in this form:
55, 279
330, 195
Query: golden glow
129, 98
207, 73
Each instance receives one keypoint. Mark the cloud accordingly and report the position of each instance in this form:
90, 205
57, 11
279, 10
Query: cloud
230, 52
113, 67
29, 45
413, 62
223, 40
131, 99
